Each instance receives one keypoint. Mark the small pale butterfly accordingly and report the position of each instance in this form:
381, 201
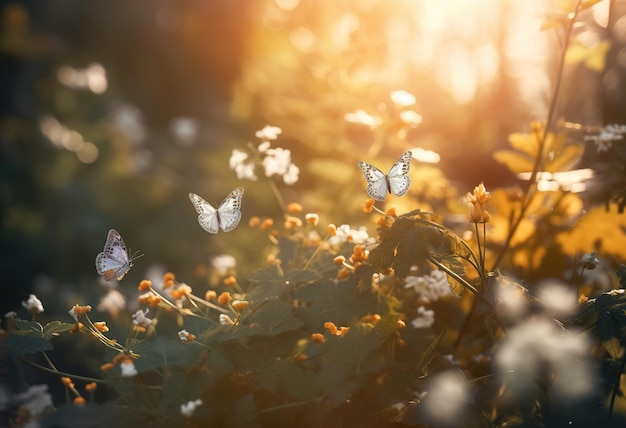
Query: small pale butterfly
113, 262
227, 216
397, 181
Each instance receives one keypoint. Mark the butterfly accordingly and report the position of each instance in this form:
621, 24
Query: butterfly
227, 216
113, 262
397, 181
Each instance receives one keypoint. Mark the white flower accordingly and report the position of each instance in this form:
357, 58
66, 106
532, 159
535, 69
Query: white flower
183, 335
113, 302
363, 118
185, 130
139, 318
33, 304
402, 98
268, 133
608, 134
223, 264
226, 320
128, 368
277, 161
589, 261
188, 408
243, 167
35, 400
411, 118
11, 314
346, 234
291, 176
539, 349
432, 286
425, 318
264, 146
448, 396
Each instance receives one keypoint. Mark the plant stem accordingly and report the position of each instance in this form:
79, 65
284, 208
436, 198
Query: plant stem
616, 387
528, 196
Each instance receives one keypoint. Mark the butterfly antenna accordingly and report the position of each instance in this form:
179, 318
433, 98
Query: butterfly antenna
135, 256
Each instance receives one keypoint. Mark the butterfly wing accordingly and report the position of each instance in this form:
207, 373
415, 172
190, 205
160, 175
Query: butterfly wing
398, 177
376, 181
229, 211
113, 262
208, 217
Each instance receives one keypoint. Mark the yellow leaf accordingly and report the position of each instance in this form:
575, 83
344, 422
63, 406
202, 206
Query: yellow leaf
594, 58
525, 143
597, 228
565, 159
515, 161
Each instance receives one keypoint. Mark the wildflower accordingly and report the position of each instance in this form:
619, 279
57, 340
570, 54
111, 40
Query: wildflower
318, 338
240, 305
411, 118
242, 165
589, 261
226, 320
294, 208
11, 315
210, 295
144, 285
344, 273
479, 199
90, 387
268, 133
391, 211
371, 319
539, 349
344, 234
231, 280
292, 222
332, 230
33, 304
267, 224
79, 401
223, 264
312, 219
264, 146
363, 118
331, 327
128, 368
186, 337
189, 408
292, 175
35, 400
107, 366
400, 324
67, 381
432, 286
224, 298
425, 318
447, 398
339, 260
113, 302
139, 318
101, 326
557, 298
254, 221
78, 310
369, 204
402, 98
608, 134
181, 291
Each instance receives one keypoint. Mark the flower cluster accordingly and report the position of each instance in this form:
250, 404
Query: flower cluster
478, 199
275, 161
604, 140
430, 287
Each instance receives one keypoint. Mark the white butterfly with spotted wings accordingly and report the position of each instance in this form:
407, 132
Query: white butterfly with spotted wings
397, 181
113, 262
226, 216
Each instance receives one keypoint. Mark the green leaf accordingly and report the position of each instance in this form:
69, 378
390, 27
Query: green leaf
275, 317
269, 283
31, 326
55, 328
301, 276
427, 356
388, 324
456, 266
25, 342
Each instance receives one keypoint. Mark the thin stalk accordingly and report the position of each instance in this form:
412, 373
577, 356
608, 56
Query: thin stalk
616, 387
528, 196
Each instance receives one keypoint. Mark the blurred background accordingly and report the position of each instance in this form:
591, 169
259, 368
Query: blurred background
112, 112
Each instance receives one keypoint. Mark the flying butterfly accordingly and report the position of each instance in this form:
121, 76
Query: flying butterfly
397, 181
113, 262
227, 216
